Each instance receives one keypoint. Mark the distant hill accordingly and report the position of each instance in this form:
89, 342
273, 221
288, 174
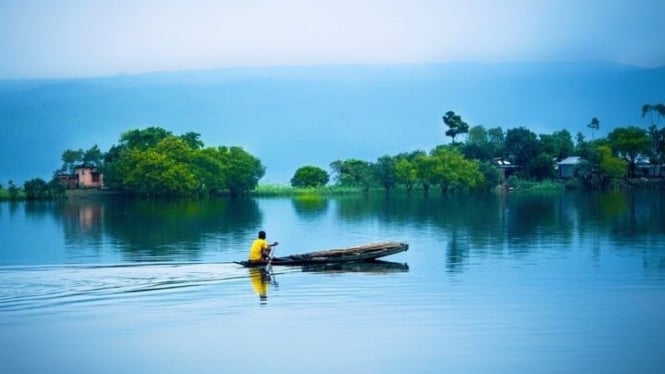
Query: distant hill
292, 116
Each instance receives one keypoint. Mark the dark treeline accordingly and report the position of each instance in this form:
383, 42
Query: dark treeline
476, 163
153, 162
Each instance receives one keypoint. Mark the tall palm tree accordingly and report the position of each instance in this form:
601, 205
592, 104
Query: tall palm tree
594, 125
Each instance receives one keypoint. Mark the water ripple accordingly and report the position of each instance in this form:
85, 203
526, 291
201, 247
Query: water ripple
39, 287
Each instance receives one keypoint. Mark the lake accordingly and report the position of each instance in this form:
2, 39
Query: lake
557, 283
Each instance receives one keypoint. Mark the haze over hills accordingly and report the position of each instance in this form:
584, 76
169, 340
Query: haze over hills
294, 116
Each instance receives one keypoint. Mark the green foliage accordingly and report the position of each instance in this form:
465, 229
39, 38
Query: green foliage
559, 145
456, 125
594, 125
38, 189
491, 175
71, 158
521, 185
12, 191
242, 170
353, 173
193, 140
601, 168
143, 139
406, 171
385, 172
310, 176
452, 171
655, 110
521, 146
153, 162
611, 166
35, 189
282, 190
541, 167
426, 168
93, 157
658, 141
630, 142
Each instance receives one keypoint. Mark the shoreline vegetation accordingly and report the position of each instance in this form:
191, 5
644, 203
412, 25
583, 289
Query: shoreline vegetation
519, 186
155, 163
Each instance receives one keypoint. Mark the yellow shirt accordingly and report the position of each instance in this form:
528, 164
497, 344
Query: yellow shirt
255, 250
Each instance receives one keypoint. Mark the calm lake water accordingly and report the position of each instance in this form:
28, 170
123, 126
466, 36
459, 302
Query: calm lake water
511, 283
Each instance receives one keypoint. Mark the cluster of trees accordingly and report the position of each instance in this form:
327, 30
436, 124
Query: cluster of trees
34, 189
444, 167
154, 162
475, 163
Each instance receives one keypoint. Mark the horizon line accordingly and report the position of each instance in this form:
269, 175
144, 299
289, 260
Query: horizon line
324, 65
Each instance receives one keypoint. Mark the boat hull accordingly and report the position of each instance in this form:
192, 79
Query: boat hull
368, 252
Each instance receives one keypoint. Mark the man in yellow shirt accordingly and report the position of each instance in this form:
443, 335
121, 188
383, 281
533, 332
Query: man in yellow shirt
260, 249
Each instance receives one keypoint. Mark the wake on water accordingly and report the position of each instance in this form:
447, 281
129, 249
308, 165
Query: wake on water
26, 288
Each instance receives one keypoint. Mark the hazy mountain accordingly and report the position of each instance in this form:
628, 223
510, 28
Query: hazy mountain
290, 117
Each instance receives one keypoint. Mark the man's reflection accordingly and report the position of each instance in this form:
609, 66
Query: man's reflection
260, 279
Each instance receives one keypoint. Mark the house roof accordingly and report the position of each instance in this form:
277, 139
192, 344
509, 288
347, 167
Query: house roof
572, 160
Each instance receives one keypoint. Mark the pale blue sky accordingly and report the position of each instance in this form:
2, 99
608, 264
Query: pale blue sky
77, 38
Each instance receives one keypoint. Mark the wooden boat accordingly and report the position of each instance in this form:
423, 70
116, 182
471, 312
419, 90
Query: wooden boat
361, 253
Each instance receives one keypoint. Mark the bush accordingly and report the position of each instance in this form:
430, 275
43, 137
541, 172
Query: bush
310, 176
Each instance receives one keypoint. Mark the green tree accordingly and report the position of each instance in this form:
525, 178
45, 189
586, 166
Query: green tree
93, 157
630, 142
594, 125
477, 144
56, 188
426, 167
656, 111
153, 162
491, 175
355, 173
310, 176
452, 171
600, 168
243, 171
406, 171
522, 146
456, 125
559, 145
36, 189
541, 167
208, 165
658, 141
496, 139
385, 172
71, 159
154, 174
193, 140
143, 139
12, 190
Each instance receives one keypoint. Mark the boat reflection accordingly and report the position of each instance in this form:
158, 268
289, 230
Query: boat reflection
262, 278
377, 266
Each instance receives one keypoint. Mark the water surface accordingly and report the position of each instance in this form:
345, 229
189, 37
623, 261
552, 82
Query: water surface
509, 283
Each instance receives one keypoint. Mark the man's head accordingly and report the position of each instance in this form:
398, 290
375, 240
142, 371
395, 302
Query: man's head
262, 234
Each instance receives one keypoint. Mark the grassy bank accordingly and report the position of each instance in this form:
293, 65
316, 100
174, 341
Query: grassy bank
285, 190
5, 196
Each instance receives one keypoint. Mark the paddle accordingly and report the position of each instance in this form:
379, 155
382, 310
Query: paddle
272, 251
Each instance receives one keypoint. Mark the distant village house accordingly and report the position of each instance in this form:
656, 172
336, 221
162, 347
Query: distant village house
566, 167
83, 177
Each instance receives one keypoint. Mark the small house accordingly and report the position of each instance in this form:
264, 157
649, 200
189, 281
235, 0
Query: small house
83, 177
566, 167
88, 177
